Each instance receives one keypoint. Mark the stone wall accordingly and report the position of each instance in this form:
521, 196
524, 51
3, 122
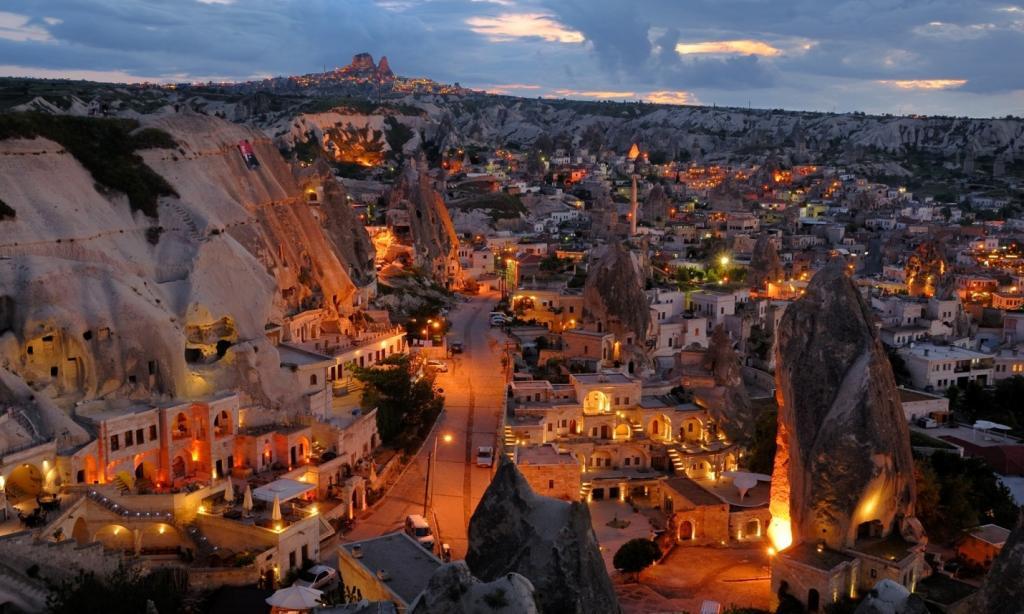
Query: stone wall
559, 481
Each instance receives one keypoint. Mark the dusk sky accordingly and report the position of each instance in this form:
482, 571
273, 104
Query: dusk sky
960, 57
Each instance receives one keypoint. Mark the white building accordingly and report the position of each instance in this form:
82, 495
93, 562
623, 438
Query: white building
937, 367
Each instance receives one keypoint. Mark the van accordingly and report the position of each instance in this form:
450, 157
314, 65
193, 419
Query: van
417, 528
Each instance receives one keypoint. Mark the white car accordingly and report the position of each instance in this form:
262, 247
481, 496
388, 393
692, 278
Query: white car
485, 456
438, 365
417, 528
317, 576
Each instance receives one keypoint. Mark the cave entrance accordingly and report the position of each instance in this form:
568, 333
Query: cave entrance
869, 530
813, 600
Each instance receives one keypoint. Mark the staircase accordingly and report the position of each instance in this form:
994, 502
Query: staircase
122, 487
191, 229
203, 546
678, 463
635, 427
509, 442
585, 489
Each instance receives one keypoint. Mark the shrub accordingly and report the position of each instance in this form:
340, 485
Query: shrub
105, 147
636, 555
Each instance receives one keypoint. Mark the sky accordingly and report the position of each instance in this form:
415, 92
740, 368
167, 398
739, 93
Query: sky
949, 57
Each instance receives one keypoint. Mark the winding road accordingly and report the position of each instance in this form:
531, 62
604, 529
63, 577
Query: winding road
474, 390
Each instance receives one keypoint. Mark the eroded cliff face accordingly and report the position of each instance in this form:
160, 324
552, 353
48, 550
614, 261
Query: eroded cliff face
765, 265
550, 542
415, 204
346, 232
101, 302
843, 454
727, 402
613, 294
656, 208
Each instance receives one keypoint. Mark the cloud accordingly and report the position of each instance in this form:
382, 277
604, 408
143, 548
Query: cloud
594, 94
510, 88
510, 26
732, 47
925, 84
670, 97
15, 27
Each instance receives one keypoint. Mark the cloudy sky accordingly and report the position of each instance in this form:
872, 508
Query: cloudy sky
961, 57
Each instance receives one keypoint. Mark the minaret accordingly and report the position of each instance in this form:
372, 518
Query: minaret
633, 206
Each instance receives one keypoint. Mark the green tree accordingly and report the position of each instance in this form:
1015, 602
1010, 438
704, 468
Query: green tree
969, 494
760, 456
636, 555
406, 404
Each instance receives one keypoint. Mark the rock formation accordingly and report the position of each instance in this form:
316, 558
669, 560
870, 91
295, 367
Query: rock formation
765, 265
105, 303
550, 542
613, 295
843, 454
727, 402
416, 205
656, 207
453, 590
888, 597
1003, 590
347, 234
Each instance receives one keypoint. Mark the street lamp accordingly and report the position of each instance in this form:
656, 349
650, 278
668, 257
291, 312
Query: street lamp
428, 494
724, 261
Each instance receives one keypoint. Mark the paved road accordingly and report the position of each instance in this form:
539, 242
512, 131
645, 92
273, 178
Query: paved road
474, 390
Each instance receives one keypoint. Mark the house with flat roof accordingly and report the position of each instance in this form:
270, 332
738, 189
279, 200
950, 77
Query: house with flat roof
937, 367
393, 567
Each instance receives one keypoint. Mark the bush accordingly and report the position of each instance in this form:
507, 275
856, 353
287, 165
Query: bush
636, 555
105, 147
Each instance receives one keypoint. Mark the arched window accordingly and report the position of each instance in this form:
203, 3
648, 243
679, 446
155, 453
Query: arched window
312, 380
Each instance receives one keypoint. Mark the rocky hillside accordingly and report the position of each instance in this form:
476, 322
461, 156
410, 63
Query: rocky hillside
101, 300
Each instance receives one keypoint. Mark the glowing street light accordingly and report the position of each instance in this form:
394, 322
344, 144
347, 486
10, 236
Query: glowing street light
724, 261
428, 495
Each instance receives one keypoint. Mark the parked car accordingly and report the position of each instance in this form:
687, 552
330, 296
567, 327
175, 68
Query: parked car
417, 528
317, 576
438, 365
498, 320
485, 456
456, 347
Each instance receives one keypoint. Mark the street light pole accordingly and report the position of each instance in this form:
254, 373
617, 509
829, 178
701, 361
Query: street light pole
428, 491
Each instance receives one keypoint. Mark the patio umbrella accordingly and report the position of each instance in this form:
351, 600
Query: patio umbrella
295, 598
229, 492
275, 513
247, 499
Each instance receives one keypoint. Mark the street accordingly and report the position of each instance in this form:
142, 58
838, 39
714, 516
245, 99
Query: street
474, 390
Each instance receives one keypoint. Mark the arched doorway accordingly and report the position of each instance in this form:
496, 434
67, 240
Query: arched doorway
180, 429
686, 531
753, 528
25, 482
813, 600
596, 402
178, 469
622, 431
116, 537
80, 532
572, 427
222, 424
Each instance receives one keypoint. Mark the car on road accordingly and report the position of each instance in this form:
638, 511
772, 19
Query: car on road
456, 347
437, 365
498, 319
485, 456
317, 576
417, 528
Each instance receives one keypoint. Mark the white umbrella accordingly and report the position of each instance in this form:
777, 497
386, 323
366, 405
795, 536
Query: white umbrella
295, 598
275, 513
247, 499
229, 492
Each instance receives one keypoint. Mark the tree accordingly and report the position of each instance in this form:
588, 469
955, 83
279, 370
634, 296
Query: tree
126, 591
760, 456
636, 555
968, 494
406, 405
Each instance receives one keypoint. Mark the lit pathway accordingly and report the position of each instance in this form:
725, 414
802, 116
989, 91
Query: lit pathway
474, 390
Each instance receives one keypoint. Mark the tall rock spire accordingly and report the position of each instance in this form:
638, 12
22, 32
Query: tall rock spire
843, 459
